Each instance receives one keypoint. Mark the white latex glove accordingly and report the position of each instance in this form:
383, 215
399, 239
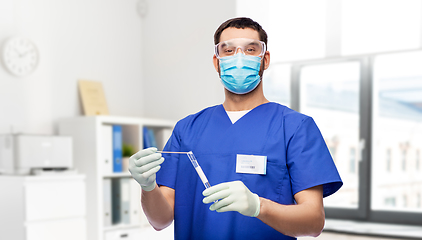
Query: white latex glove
143, 165
232, 196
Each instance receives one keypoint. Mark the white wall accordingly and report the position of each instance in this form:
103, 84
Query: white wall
79, 39
159, 65
179, 77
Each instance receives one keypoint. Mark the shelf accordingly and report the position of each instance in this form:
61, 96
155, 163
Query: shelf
117, 175
92, 157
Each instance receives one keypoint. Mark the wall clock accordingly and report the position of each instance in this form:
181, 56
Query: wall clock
20, 56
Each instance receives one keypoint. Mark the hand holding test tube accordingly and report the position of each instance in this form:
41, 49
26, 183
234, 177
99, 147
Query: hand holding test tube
195, 165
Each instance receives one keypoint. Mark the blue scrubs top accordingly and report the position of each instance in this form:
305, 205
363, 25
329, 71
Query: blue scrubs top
297, 159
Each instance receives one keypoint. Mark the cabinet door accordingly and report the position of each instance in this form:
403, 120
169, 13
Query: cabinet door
65, 229
123, 234
54, 199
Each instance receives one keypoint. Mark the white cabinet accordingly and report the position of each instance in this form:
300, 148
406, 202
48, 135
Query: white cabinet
126, 234
43, 207
92, 158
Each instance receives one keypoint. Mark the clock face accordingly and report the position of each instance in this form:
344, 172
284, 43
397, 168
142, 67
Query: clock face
20, 56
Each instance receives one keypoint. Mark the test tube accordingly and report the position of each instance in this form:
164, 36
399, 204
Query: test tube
198, 169
195, 165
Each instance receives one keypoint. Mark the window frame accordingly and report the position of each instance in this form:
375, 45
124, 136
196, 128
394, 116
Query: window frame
364, 165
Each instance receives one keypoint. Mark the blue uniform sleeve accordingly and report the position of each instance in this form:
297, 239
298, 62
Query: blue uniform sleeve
166, 176
309, 162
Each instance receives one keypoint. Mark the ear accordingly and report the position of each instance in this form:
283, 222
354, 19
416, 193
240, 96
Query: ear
216, 62
266, 60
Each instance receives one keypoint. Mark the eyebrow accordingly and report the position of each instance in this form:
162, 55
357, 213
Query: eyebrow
224, 44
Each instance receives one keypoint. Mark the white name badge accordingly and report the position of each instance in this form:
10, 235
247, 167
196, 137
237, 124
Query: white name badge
251, 164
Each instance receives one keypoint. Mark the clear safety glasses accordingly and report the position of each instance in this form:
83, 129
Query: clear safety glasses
251, 47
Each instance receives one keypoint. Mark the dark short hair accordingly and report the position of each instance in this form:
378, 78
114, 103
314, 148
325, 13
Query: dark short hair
241, 22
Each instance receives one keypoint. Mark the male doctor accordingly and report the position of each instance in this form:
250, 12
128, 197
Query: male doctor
268, 166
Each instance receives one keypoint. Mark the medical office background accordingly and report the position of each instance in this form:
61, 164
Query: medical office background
353, 65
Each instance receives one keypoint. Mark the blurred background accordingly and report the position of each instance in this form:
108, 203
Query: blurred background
353, 65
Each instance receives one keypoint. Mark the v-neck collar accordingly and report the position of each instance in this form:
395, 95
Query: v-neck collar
234, 116
244, 116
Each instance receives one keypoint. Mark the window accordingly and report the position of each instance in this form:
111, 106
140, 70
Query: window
405, 205
330, 94
403, 159
332, 148
276, 83
388, 160
345, 97
337, 58
397, 123
390, 201
352, 161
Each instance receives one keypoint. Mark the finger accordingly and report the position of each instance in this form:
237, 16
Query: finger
217, 196
151, 165
222, 203
151, 172
150, 179
228, 208
144, 152
148, 159
215, 188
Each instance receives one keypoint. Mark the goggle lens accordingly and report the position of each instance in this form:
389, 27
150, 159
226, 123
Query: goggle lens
251, 47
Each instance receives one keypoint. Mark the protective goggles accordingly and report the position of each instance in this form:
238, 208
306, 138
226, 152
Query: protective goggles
251, 47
